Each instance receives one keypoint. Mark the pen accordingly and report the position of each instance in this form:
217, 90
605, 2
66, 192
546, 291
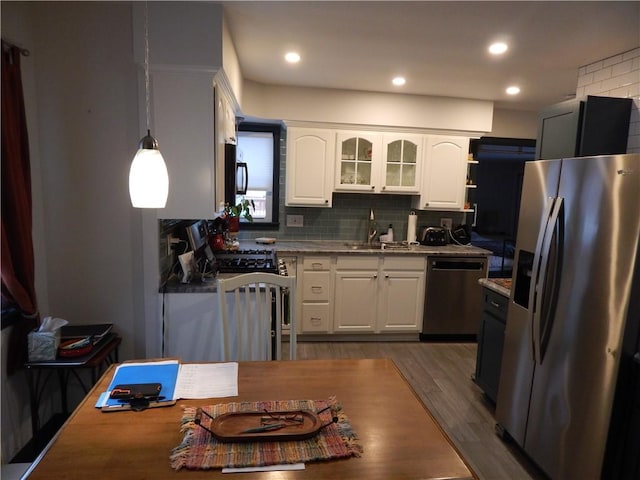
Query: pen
264, 428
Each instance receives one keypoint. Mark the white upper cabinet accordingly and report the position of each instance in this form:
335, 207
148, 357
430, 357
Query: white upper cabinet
183, 124
373, 162
443, 175
402, 163
359, 155
310, 154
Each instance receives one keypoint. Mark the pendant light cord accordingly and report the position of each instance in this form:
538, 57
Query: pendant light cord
146, 61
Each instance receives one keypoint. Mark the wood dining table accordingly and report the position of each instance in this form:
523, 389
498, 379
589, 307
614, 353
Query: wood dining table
399, 437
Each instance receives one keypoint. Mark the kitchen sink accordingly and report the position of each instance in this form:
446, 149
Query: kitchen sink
362, 246
378, 246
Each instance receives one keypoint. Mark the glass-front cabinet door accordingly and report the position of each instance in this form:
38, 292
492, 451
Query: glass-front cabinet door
401, 162
359, 155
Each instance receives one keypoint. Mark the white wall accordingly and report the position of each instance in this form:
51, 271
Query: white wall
82, 107
514, 124
617, 76
231, 64
320, 105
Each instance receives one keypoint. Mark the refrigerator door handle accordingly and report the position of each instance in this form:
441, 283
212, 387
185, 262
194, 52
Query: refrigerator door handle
532, 315
545, 300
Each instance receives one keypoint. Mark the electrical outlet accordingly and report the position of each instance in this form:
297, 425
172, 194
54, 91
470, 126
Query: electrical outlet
446, 223
295, 220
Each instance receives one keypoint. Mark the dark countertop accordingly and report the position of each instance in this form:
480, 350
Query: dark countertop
498, 285
326, 247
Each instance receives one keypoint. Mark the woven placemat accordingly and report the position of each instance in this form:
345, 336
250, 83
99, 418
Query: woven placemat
200, 451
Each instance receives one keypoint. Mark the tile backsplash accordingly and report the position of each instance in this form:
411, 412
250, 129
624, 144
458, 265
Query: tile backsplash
348, 219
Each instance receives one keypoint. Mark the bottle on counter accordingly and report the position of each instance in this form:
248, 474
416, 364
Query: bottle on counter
390, 233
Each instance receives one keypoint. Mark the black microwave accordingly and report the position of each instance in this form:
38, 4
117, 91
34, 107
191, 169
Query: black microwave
236, 174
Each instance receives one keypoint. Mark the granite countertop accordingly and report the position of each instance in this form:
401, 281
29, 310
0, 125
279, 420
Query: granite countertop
498, 285
324, 247
345, 246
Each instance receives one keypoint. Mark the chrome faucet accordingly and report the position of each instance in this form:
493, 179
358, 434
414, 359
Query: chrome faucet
372, 227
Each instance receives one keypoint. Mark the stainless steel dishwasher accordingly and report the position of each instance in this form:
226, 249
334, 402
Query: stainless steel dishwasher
453, 298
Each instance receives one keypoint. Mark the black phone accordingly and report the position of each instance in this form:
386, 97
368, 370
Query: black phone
136, 390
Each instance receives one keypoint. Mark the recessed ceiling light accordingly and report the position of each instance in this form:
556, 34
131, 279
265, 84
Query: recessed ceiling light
292, 57
513, 90
498, 48
398, 81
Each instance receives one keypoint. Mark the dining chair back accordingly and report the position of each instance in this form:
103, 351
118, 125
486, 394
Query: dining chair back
253, 308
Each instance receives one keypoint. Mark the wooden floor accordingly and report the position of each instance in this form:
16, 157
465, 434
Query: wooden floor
441, 374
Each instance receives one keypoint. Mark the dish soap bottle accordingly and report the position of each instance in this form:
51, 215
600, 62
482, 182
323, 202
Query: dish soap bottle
390, 233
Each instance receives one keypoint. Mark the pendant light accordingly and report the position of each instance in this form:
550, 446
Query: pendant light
148, 177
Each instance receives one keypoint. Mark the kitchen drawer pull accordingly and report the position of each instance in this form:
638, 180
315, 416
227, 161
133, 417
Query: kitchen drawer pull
316, 289
495, 304
315, 320
316, 266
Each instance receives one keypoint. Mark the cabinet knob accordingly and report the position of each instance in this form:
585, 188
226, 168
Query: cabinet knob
384, 187
373, 187
326, 201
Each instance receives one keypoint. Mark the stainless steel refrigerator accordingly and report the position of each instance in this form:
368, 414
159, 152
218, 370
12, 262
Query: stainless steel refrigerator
573, 312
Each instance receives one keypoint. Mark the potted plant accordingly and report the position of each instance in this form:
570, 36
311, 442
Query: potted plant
232, 213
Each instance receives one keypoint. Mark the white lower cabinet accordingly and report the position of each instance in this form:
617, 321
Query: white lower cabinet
355, 301
314, 287
401, 294
191, 327
379, 294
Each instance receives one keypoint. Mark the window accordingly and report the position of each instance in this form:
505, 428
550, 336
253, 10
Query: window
259, 148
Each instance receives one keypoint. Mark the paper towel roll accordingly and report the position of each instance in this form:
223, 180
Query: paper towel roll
411, 227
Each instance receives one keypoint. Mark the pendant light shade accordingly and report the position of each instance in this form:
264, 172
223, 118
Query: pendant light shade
148, 176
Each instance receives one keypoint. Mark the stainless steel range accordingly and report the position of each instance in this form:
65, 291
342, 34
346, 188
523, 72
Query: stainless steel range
255, 260
246, 261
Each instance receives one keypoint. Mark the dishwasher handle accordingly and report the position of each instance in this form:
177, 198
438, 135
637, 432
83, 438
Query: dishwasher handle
457, 265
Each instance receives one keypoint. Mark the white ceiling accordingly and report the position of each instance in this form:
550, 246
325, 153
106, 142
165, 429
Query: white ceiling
440, 47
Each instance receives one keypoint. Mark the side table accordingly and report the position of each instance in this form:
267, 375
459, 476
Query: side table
102, 355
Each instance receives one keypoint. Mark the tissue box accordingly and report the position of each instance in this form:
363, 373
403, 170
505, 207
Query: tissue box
43, 345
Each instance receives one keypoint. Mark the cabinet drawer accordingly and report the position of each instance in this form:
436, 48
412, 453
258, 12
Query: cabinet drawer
315, 317
496, 304
411, 262
355, 262
315, 286
316, 263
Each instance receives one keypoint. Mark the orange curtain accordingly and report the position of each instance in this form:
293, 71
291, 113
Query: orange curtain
17, 260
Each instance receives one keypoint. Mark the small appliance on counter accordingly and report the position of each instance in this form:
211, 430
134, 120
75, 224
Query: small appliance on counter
433, 236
